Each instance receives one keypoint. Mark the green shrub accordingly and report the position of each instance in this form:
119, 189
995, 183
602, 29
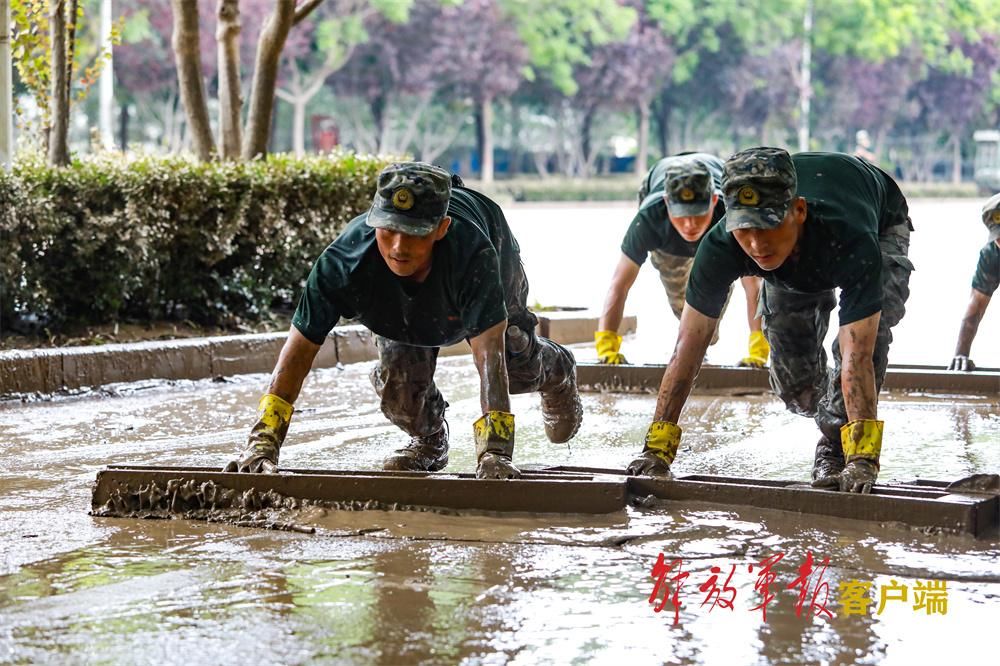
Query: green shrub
160, 238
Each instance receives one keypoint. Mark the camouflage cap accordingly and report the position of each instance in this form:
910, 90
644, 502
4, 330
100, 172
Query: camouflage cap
412, 198
688, 188
991, 216
757, 185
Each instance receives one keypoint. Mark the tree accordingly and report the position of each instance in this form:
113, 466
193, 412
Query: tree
492, 61
951, 100
50, 47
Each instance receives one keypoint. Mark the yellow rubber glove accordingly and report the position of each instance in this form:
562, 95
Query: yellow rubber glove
663, 438
266, 437
862, 439
658, 451
494, 435
608, 344
757, 351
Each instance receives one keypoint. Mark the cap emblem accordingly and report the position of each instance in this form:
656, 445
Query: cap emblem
748, 196
687, 194
402, 199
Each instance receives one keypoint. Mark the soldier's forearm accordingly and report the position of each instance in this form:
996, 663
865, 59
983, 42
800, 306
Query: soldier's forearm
489, 356
751, 288
970, 322
692, 341
294, 363
966, 334
857, 381
857, 375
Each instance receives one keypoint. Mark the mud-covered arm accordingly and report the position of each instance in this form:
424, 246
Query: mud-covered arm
488, 355
294, 362
978, 303
692, 341
857, 378
614, 303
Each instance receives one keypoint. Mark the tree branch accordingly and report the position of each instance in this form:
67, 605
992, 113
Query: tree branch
305, 10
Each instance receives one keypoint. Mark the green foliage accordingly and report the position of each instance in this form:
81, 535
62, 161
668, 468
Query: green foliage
32, 52
155, 238
559, 33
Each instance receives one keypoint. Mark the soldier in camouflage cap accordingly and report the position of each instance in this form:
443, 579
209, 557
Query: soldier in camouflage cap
984, 284
679, 200
758, 187
807, 224
432, 263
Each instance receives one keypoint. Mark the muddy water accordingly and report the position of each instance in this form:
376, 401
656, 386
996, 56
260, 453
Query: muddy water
377, 587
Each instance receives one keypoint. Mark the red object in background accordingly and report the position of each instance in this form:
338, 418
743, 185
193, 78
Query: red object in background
325, 134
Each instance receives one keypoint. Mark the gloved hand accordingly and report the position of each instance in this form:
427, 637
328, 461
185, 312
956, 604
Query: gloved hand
261, 451
494, 434
757, 351
608, 344
962, 363
658, 451
862, 443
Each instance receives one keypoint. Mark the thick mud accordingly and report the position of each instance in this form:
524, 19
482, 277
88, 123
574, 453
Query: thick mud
405, 586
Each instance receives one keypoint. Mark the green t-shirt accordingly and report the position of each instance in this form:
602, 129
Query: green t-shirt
987, 277
476, 276
850, 203
650, 228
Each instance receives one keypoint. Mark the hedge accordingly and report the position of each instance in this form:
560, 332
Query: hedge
167, 238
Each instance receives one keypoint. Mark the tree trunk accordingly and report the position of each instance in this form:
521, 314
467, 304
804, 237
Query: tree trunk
805, 77
585, 142
59, 120
123, 126
106, 113
188, 59
227, 36
642, 153
486, 157
265, 77
6, 91
956, 158
514, 163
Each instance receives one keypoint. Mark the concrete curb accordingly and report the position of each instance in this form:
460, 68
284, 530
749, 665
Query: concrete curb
68, 368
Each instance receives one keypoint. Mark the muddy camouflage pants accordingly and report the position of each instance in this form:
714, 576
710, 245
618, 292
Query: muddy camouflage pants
796, 324
404, 376
674, 272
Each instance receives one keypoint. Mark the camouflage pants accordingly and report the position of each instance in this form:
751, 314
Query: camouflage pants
796, 324
404, 376
674, 272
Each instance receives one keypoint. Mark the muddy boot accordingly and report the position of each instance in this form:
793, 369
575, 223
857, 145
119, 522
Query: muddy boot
829, 460
422, 454
494, 433
562, 411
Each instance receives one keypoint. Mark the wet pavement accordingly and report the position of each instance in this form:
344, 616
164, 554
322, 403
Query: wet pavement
403, 587
406, 587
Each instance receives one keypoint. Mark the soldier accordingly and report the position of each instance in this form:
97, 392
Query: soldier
807, 225
430, 264
678, 202
984, 283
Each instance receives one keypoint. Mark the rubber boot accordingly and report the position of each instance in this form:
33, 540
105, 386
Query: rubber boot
562, 411
422, 454
829, 460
